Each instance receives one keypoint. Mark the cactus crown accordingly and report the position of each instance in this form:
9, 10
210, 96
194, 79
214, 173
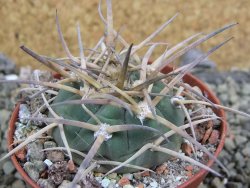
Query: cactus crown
115, 106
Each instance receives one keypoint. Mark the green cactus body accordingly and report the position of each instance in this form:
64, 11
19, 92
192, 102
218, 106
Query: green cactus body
122, 145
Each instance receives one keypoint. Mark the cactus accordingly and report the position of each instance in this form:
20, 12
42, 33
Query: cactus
121, 145
114, 108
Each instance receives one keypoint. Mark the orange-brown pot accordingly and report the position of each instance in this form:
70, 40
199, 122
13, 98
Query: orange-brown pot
193, 182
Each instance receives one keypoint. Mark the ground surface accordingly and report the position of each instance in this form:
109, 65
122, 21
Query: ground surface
33, 23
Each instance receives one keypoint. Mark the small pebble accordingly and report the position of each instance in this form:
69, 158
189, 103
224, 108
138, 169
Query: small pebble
145, 174
128, 186
40, 165
45, 183
217, 183
105, 182
154, 184
4, 116
58, 172
123, 181
141, 185
245, 89
162, 181
55, 155
8, 167
49, 144
229, 144
112, 175
4, 145
246, 152
18, 176
234, 185
34, 152
31, 170
239, 140
189, 168
112, 184
7, 179
129, 176
11, 77
18, 184
24, 113
48, 162
66, 184
178, 178
7, 66
161, 169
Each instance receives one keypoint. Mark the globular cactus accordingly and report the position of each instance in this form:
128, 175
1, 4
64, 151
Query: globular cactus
121, 145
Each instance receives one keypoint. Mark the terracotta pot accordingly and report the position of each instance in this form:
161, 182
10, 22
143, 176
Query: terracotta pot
193, 182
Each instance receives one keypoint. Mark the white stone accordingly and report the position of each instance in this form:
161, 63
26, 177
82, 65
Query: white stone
129, 176
105, 182
128, 186
178, 178
99, 179
154, 184
48, 162
11, 77
163, 181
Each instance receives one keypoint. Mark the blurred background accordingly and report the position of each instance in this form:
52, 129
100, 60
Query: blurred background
32, 22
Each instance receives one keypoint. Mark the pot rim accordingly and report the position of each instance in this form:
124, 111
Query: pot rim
194, 181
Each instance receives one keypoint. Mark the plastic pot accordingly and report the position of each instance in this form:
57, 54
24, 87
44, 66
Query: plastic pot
193, 182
